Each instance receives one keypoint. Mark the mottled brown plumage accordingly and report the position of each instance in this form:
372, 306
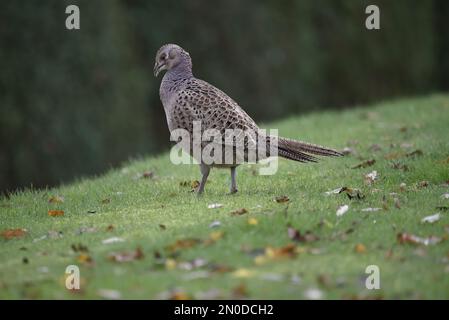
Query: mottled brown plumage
187, 99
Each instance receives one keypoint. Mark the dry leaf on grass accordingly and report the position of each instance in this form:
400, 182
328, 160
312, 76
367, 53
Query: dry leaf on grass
412, 239
371, 177
253, 221
126, 256
296, 235
13, 233
56, 199
282, 199
423, 184
182, 244
360, 248
239, 212
55, 213
364, 164
415, 153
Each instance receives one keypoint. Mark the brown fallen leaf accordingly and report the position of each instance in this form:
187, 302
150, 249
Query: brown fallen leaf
270, 254
423, 184
360, 248
106, 201
213, 237
282, 199
364, 164
394, 155
148, 174
296, 235
55, 213
400, 166
56, 199
240, 292
110, 228
13, 233
126, 256
182, 244
412, 239
239, 212
415, 153
85, 259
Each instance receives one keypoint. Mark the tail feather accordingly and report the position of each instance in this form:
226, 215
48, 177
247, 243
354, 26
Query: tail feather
300, 151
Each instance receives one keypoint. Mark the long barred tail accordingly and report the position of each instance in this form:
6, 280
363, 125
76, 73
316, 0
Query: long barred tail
300, 151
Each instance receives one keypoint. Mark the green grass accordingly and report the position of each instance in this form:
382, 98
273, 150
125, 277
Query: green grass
138, 207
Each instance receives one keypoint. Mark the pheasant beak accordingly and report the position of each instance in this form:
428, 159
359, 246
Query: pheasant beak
158, 68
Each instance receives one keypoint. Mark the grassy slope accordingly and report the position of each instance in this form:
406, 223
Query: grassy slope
139, 206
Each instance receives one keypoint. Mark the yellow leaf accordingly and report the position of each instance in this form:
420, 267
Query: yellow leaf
243, 273
170, 264
252, 221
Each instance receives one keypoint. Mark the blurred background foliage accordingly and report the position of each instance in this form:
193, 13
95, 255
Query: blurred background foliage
79, 102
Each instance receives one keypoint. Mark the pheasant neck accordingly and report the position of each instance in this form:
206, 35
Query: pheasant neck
182, 71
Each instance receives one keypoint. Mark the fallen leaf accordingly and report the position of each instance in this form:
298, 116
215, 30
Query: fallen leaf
79, 248
216, 235
342, 210
296, 235
431, 219
402, 187
148, 174
109, 294
55, 213
174, 294
170, 264
112, 240
240, 292
162, 226
394, 155
423, 184
214, 206
397, 203
400, 166
13, 233
253, 221
371, 177
288, 251
364, 164
85, 259
182, 244
360, 248
243, 273
239, 212
415, 153
110, 228
375, 147
282, 199
86, 230
127, 256
56, 199
106, 201
412, 239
